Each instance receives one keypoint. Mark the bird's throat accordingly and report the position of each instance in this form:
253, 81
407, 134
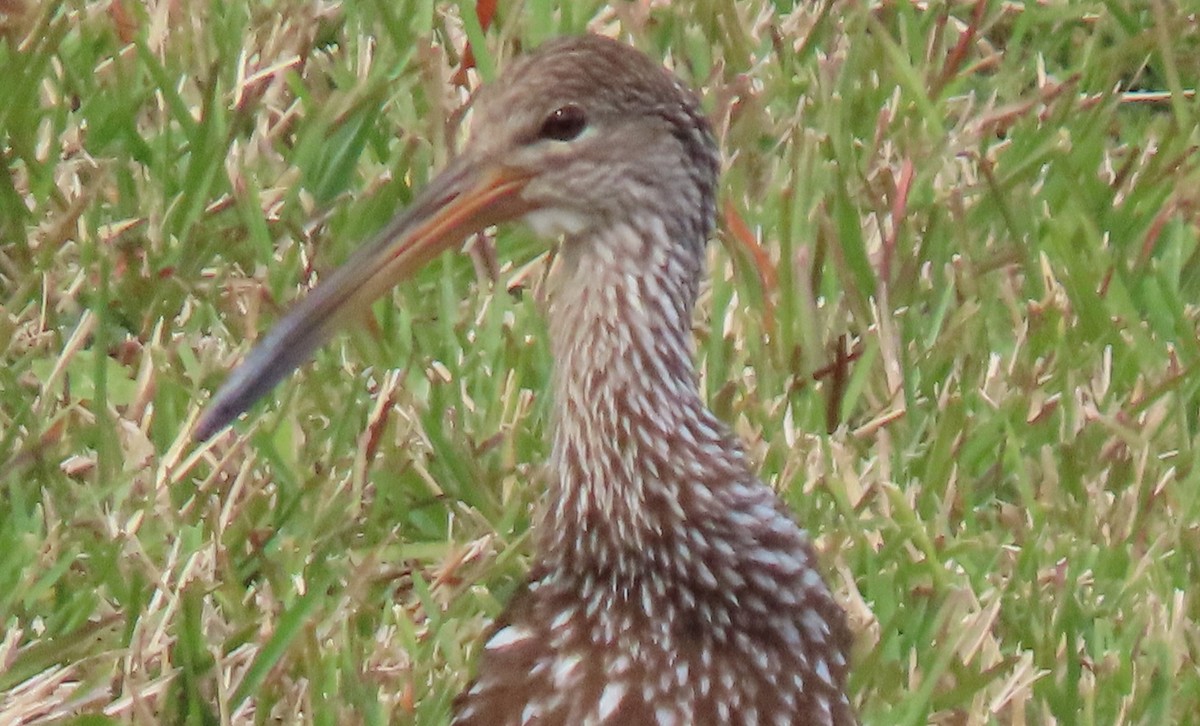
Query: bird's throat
631, 430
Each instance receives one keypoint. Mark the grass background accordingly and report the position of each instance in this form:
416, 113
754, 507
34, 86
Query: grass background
967, 356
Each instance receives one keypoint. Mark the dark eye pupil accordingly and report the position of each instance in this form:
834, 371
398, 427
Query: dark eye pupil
564, 124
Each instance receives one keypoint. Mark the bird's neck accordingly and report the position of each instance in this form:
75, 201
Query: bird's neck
637, 456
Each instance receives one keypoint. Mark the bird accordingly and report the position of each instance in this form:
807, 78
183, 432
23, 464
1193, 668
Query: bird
668, 584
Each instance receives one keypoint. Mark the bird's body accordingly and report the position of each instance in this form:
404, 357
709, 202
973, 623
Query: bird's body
670, 585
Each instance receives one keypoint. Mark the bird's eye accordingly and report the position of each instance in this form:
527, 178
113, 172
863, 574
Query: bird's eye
564, 123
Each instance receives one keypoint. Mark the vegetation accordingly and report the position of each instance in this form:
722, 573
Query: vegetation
953, 313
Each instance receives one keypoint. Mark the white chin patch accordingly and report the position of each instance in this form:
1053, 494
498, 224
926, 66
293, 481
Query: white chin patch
555, 223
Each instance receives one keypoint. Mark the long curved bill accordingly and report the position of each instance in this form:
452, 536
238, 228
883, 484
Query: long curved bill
465, 198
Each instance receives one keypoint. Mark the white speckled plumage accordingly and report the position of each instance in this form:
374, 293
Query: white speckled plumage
670, 585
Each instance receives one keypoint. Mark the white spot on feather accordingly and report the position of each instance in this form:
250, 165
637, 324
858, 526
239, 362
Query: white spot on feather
610, 700
507, 636
822, 670
561, 619
563, 668
530, 713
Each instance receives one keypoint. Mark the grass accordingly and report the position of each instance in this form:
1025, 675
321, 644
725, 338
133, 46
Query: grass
970, 362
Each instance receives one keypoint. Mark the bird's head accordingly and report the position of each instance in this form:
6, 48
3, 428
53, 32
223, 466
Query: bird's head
581, 136
603, 133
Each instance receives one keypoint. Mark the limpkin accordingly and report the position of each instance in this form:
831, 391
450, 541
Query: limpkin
670, 585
